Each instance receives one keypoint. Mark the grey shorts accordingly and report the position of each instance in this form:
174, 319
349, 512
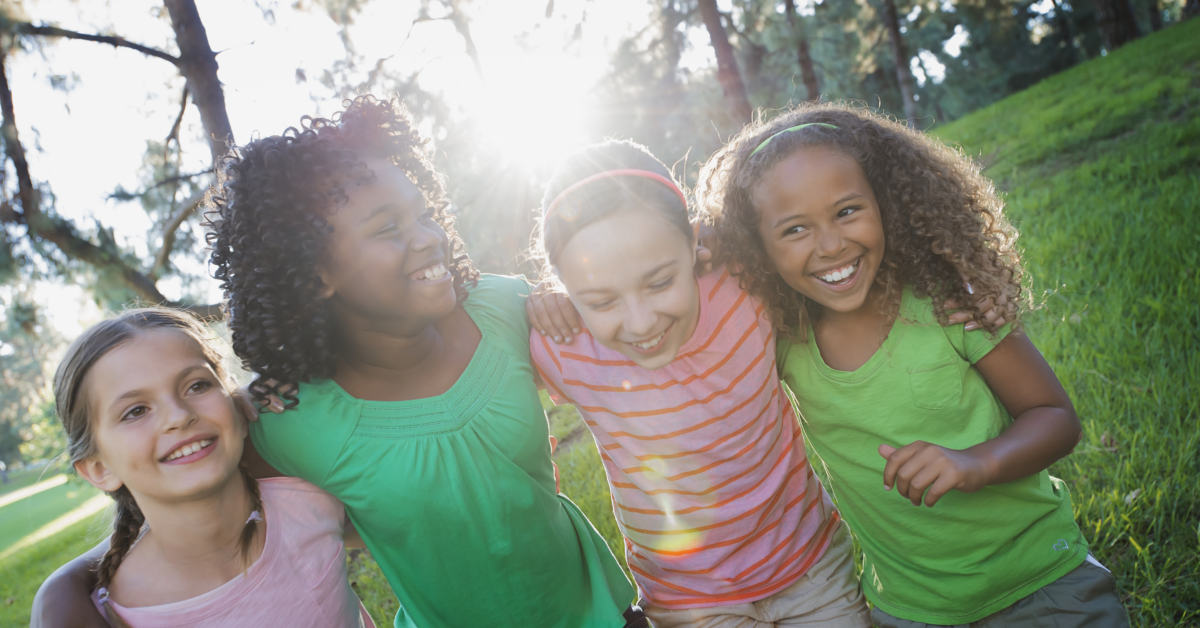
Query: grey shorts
1086, 596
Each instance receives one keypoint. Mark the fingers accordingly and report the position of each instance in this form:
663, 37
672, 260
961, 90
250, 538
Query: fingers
564, 320
914, 489
897, 460
940, 487
703, 261
886, 451
246, 406
547, 317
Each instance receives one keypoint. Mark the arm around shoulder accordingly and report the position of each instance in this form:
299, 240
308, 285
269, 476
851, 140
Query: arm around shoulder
64, 599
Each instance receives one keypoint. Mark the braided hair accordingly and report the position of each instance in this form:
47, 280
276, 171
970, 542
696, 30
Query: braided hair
267, 220
71, 406
942, 219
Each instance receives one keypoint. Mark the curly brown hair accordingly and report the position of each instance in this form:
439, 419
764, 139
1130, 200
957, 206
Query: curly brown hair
267, 220
942, 219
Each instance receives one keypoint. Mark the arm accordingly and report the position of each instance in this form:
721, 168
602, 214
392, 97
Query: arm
64, 599
1044, 429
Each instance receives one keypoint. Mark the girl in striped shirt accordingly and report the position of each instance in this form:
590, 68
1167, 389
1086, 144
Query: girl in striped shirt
725, 523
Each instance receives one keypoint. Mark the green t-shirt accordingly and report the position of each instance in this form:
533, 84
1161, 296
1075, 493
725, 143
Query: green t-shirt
454, 494
970, 555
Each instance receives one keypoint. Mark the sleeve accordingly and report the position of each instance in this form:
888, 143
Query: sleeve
549, 367
498, 302
973, 345
307, 441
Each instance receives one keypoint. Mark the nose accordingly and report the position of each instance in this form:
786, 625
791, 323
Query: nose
178, 415
640, 318
427, 238
830, 242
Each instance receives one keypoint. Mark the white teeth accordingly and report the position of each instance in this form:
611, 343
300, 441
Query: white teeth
839, 274
649, 344
189, 449
433, 272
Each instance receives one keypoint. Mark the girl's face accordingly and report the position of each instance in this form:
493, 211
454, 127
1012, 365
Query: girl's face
630, 277
163, 423
385, 259
821, 227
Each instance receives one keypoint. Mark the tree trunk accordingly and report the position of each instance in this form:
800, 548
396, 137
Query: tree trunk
1116, 23
1156, 22
892, 21
806, 65
727, 70
198, 64
1190, 10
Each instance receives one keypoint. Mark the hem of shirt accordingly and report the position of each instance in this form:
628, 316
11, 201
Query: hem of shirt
755, 597
1012, 597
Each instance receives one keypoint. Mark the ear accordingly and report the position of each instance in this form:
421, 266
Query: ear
98, 474
327, 288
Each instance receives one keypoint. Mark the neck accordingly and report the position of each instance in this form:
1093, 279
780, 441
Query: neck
200, 533
870, 314
390, 347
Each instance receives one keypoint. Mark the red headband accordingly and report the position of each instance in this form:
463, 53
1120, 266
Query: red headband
615, 173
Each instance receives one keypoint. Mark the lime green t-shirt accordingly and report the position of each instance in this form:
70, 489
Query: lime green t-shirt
454, 494
970, 555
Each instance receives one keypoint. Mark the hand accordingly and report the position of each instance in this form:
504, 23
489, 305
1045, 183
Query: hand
552, 314
921, 465
273, 405
557, 483
991, 320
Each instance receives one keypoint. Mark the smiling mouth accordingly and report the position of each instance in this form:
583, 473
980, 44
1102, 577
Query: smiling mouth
188, 449
651, 344
840, 276
432, 273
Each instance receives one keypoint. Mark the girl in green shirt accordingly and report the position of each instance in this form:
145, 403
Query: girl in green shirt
851, 227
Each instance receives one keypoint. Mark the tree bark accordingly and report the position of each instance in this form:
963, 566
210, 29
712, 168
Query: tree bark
727, 70
462, 24
806, 65
892, 22
1156, 22
1115, 20
198, 64
26, 28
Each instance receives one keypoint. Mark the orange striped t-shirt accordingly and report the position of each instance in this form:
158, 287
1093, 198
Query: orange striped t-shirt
710, 482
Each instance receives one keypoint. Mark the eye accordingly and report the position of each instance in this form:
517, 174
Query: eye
664, 284
602, 305
135, 412
846, 211
387, 229
199, 386
794, 230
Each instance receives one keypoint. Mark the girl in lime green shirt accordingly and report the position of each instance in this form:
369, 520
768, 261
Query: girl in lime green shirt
852, 228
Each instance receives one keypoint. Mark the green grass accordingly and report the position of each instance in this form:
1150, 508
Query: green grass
20, 479
24, 571
26, 516
1101, 166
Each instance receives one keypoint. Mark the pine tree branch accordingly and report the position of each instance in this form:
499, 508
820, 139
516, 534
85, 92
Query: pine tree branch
26, 28
169, 229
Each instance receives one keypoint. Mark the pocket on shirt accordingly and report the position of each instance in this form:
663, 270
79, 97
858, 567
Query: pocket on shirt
936, 387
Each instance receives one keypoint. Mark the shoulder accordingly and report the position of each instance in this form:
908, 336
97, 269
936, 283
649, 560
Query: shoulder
497, 305
918, 311
306, 441
301, 501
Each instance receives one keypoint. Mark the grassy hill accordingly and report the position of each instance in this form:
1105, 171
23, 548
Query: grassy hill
1101, 167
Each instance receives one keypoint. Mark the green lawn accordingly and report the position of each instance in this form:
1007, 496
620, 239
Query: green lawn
1101, 166
26, 516
20, 479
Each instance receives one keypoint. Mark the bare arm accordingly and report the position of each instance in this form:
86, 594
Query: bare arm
1044, 429
64, 599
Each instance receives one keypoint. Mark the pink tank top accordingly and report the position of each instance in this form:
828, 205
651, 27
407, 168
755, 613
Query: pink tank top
298, 580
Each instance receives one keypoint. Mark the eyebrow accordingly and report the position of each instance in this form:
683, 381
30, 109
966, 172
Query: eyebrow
850, 196
378, 210
140, 391
645, 276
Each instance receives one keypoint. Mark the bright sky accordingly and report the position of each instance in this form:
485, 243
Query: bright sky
90, 139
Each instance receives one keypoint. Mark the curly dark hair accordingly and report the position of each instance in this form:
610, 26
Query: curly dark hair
942, 219
601, 198
267, 219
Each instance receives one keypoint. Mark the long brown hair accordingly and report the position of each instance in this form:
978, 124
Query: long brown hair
942, 219
71, 405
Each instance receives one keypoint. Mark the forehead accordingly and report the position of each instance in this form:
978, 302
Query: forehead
390, 185
810, 173
151, 356
621, 248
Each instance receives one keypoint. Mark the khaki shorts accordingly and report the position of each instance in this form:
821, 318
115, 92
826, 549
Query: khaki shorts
826, 595
1086, 596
